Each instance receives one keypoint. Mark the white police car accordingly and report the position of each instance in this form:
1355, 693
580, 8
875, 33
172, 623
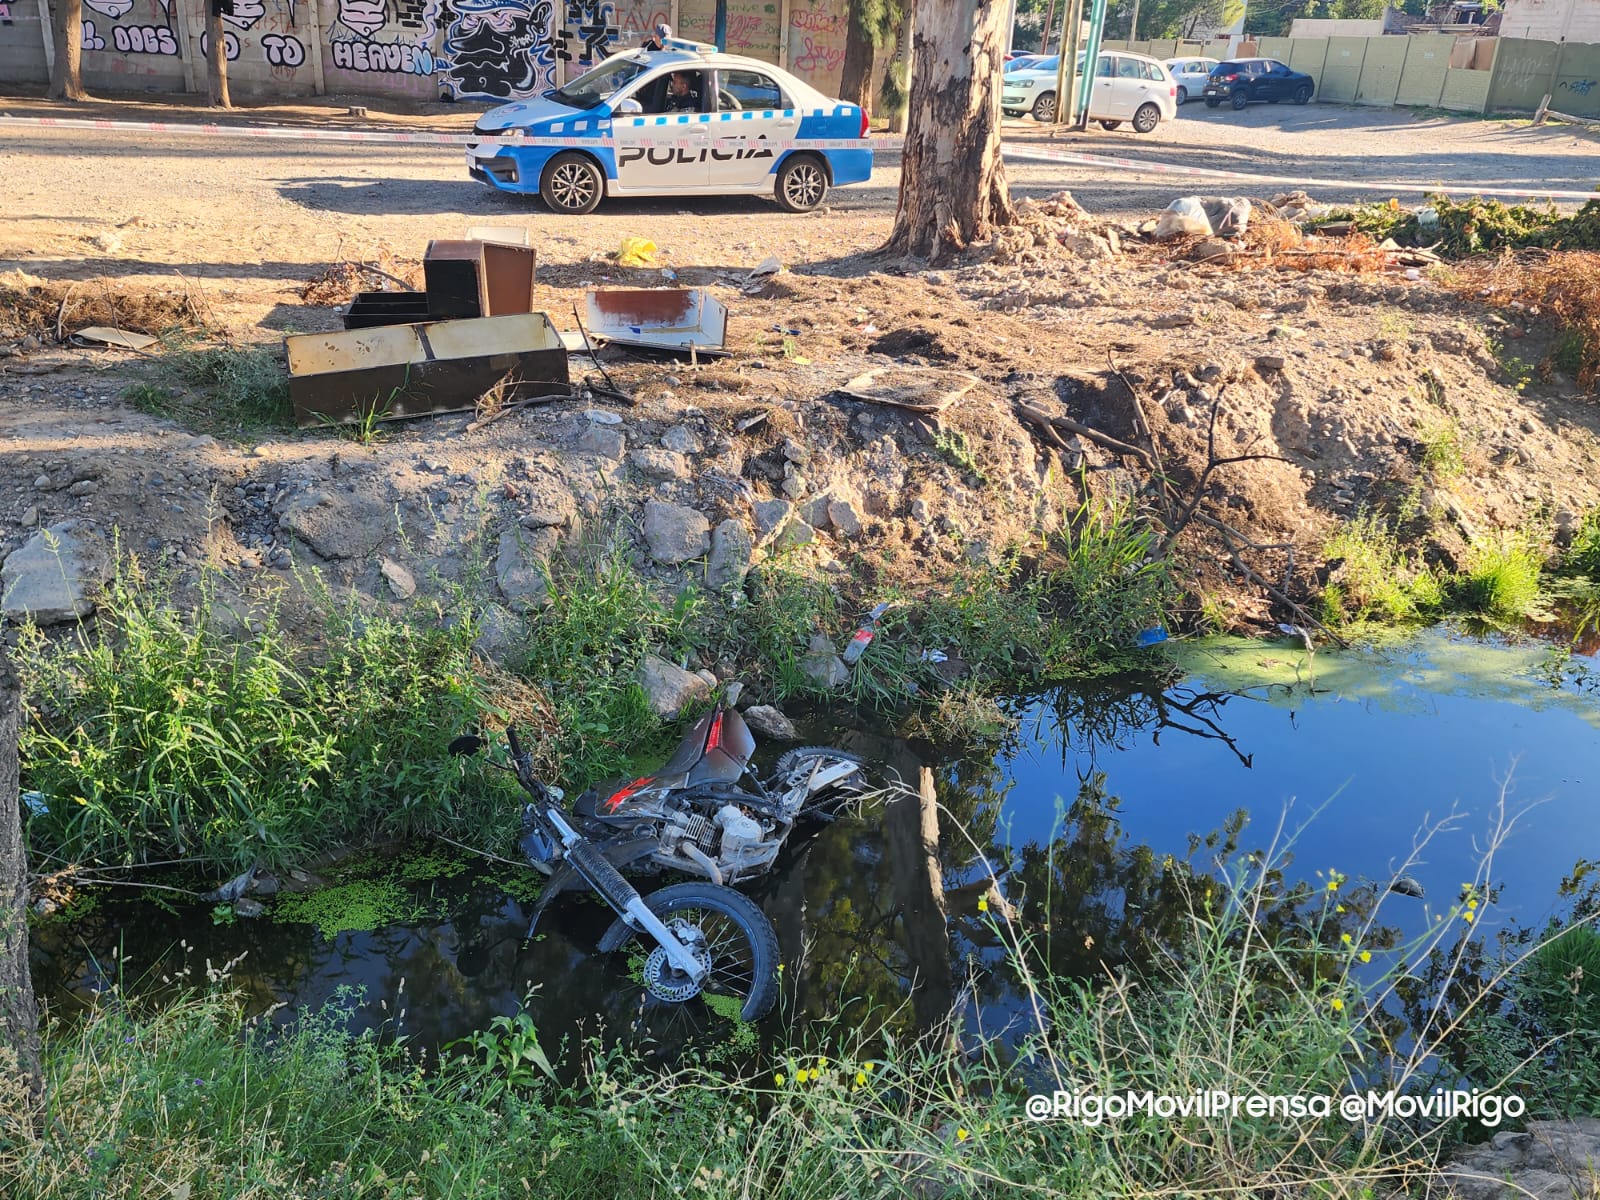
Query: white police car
683, 120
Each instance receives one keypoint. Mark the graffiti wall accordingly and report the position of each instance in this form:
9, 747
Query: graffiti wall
381, 47
496, 49
133, 43
468, 50
816, 35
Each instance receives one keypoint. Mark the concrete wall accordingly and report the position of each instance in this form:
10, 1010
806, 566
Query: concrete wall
473, 50
1427, 63
1341, 69
1551, 20
22, 34
1577, 89
1381, 68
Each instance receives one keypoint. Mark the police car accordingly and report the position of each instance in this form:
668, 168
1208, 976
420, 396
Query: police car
681, 120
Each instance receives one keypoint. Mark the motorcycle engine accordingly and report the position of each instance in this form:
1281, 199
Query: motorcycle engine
712, 828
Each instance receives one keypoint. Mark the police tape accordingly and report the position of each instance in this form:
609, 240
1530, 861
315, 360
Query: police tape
1010, 151
1141, 166
404, 137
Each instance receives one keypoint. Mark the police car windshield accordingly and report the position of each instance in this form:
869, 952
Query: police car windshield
596, 86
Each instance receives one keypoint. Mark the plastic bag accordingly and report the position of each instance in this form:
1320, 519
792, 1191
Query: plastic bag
1184, 216
636, 252
1229, 218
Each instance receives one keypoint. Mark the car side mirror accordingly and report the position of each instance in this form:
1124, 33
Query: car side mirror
629, 108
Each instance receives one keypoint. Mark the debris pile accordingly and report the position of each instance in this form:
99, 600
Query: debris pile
51, 310
1054, 228
339, 282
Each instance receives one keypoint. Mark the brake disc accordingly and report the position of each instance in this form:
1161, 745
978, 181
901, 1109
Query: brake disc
664, 981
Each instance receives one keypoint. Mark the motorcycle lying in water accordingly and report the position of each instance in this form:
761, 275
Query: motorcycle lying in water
705, 813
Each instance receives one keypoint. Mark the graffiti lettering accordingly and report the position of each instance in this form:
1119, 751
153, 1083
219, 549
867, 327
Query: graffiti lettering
110, 8
144, 39
819, 58
5, 13
591, 22
245, 13
497, 49
1580, 87
366, 17
742, 27
383, 57
817, 22
282, 50
635, 20
91, 39
230, 45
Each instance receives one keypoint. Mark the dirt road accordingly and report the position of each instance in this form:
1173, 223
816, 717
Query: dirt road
84, 203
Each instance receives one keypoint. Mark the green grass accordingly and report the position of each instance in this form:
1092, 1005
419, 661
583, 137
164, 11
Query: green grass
952, 446
1442, 453
225, 389
1376, 579
1501, 579
153, 735
1262, 987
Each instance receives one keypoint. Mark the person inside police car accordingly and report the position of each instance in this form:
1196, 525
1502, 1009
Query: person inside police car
683, 92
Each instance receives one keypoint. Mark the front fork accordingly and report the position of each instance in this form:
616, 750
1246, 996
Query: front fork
597, 870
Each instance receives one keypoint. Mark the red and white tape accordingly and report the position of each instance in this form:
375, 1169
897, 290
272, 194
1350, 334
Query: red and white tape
1023, 152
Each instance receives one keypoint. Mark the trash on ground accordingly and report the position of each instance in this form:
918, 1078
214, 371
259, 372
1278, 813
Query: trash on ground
1184, 217
767, 266
234, 888
677, 319
636, 252
1229, 217
749, 423
386, 308
509, 235
917, 389
933, 656
864, 635
1153, 636
474, 278
396, 371
123, 339
35, 804
1404, 885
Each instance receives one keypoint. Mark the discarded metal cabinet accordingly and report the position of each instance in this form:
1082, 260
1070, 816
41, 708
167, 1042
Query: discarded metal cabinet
472, 278
386, 308
396, 371
658, 318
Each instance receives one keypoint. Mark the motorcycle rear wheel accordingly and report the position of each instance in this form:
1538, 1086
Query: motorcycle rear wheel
845, 789
729, 929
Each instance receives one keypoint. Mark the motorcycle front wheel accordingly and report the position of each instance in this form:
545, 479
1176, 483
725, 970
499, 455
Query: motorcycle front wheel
722, 927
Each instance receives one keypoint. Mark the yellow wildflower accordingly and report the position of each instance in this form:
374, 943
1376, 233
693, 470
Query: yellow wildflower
1337, 1003
780, 1079
961, 1135
1366, 956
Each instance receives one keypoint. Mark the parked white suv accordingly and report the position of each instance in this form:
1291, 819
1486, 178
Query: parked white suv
1126, 87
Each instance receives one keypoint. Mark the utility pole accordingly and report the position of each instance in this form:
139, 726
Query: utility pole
720, 34
1067, 69
1091, 59
1133, 28
1049, 16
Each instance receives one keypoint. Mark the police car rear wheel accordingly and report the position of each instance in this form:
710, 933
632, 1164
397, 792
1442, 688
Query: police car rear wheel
802, 183
572, 184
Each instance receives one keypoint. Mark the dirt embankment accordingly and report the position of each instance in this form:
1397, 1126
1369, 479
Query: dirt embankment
1072, 354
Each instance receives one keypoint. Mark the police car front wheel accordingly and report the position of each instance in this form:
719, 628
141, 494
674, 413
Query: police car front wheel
572, 184
802, 183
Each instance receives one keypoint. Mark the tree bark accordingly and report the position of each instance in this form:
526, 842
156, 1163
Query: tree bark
952, 180
216, 57
901, 69
19, 1012
855, 79
66, 28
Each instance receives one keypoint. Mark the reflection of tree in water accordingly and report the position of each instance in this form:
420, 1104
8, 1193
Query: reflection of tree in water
1085, 720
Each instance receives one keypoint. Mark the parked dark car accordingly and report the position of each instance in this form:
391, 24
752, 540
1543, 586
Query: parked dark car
1242, 80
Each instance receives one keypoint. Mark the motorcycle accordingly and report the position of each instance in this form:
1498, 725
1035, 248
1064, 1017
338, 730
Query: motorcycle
705, 813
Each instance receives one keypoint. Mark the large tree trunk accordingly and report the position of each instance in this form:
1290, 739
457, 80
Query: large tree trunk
19, 1013
66, 28
898, 78
952, 181
216, 57
855, 80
